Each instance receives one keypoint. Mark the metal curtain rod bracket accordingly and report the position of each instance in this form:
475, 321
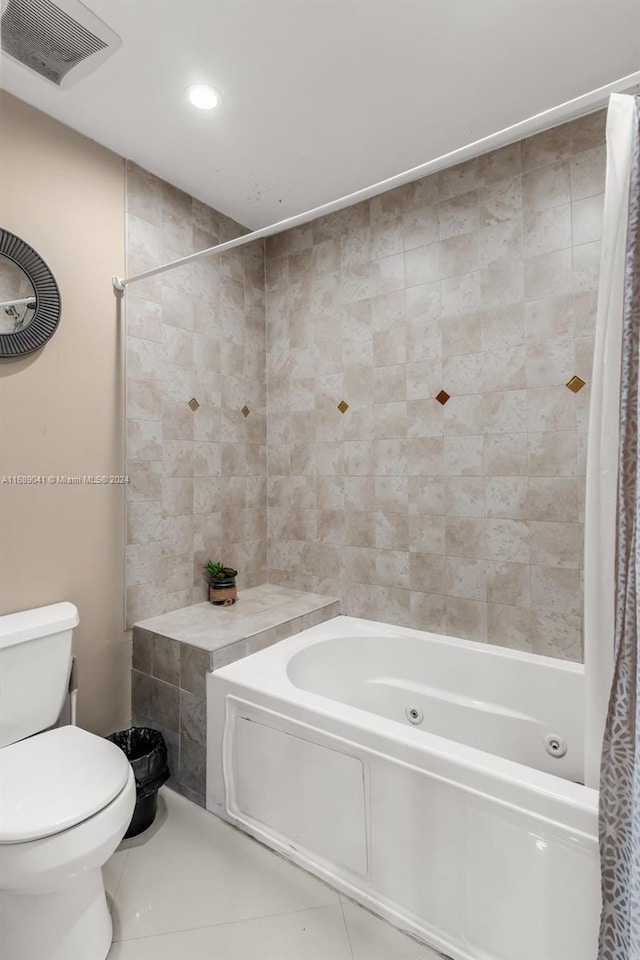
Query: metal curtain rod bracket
570, 110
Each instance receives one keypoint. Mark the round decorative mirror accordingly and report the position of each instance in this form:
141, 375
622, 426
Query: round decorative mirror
29, 298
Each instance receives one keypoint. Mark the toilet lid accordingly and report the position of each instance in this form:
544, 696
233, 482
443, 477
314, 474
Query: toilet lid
55, 780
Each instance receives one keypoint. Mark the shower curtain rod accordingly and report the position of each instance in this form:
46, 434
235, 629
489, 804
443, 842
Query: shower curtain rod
536, 124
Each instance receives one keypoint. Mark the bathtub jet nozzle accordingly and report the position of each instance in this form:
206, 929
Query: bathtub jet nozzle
555, 745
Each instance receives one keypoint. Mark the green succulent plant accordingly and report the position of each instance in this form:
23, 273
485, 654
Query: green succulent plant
217, 571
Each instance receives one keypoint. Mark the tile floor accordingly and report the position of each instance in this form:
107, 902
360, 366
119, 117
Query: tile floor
194, 888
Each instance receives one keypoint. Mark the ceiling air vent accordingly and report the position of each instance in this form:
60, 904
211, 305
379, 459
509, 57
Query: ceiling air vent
61, 41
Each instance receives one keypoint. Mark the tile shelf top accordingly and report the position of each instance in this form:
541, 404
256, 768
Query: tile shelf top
262, 615
173, 653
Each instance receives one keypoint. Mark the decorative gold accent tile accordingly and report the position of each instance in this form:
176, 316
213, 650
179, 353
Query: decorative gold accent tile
442, 397
193, 403
245, 411
575, 384
343, 406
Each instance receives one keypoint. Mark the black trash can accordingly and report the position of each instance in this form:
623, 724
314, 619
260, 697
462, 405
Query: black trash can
146, 751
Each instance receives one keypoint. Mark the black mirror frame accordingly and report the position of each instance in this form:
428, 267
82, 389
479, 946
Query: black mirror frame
47, 296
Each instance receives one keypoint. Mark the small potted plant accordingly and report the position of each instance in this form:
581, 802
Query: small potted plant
222, 584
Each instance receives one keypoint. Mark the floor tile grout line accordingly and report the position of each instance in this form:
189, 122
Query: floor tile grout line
227, 923
346, 927
124, 867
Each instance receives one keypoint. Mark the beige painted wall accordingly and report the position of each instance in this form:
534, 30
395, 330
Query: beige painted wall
61, 408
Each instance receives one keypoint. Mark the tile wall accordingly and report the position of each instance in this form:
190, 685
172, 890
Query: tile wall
197, 476
168, 693
480, 281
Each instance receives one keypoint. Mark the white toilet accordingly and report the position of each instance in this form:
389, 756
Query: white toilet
66, 800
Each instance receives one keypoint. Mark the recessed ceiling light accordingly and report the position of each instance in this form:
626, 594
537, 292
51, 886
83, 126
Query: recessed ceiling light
203, 97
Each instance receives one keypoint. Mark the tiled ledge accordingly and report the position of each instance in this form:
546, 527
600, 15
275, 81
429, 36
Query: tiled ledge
262, 616
172, 655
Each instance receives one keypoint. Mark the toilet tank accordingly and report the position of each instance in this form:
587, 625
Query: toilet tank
35, 661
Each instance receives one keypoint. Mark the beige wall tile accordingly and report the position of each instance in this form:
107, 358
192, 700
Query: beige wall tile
556, 634
587, 172
144, 319
551, 317
459, 255
503, 369
421, 265
556, 544
467, 619
556, 589
387, 238
509, 626
460, 295
463, 415
420, 227
145, 563
500, 201
423, 379
461, 334
427, 535
550, 362
427, 495
144, 359
501, 284
424, 341
465, 497
499, 164
391, 531
507, 498
388, 274
145, 479
506, 455
389, 347
466, 578
586, 266
464, 456
544, 148
503, 328
507, 540
458, 215
547, 187
457, 180
465, 537
144, 521
509, 583
550, 408
429, 612
144, 440
424, 456
548, 275
480, 280
462, 374
504, 411
553, 498
586, 218
547, 230
144, 399
552, 454
588, 131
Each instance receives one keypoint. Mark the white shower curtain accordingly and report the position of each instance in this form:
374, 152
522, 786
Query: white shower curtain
603, 443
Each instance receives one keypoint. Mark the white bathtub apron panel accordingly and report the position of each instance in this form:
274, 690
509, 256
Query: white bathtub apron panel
299, 790
483, 857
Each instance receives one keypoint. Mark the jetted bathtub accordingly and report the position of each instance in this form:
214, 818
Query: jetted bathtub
434, 780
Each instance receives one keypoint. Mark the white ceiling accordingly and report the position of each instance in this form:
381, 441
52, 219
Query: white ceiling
324, 97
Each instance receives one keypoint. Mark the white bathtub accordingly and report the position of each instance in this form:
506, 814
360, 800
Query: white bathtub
461, 829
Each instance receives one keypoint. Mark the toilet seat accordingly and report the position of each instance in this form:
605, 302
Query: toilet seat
55, 780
